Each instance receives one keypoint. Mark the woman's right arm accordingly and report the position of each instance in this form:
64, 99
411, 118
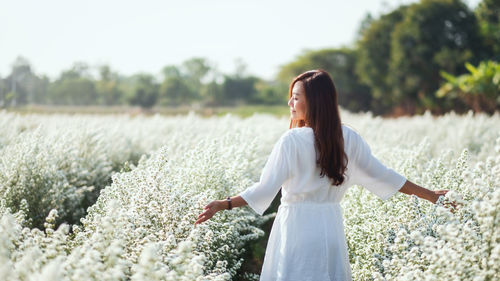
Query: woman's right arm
260, 195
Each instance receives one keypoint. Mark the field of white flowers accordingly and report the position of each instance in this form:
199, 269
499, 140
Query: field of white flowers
114, 197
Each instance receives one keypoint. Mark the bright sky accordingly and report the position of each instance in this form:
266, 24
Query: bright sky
146, 35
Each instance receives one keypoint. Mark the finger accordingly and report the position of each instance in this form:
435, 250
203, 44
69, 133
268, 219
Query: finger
205, 218
452, 203
200, 220
204, 215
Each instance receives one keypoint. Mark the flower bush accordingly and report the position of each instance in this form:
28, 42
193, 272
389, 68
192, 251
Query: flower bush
407, 238
146, 179
58, 161
141, 226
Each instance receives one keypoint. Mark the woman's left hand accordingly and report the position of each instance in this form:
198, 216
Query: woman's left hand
210, 210
451, 205
438, 193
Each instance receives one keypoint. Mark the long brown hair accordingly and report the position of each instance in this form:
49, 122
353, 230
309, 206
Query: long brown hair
324, 118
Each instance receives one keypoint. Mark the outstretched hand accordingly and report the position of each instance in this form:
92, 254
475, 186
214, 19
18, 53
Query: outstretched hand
439, 193
210, 210
451, 205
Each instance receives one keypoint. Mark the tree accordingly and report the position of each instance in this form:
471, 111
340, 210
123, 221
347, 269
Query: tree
108, 89
145, 92
177, 88
271, 92
239, 87
23, 86
196, 70
374, 55
212, 94
434, 35
21, 72
238, 90
3, 92
488, 15
175, 91
366, 22
340, 64
75, 86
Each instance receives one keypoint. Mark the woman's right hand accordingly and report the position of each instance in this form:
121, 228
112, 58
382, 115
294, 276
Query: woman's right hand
210, 210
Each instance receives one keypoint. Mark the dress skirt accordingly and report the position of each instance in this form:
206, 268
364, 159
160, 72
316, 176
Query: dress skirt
307, 243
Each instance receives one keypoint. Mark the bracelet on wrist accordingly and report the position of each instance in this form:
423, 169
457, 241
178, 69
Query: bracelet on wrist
228, 199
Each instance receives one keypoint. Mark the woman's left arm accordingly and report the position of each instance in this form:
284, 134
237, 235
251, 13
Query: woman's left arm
218, 205
424, 193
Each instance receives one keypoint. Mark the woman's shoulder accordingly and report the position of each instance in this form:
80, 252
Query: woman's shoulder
348, 128
352, 139
300, 130
299, 134
294, 135
349, 132
290, 134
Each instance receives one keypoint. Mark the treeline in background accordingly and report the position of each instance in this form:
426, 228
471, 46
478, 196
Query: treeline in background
436, 55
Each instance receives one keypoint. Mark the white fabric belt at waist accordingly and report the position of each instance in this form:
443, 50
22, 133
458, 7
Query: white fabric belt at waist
309, 203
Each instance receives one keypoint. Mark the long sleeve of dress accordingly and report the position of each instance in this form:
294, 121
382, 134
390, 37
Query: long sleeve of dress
370, 173
276, 171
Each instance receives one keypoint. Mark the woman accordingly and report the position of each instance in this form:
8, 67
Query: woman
307, 239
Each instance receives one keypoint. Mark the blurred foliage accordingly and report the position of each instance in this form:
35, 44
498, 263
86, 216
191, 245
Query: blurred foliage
145, 92
402, 52
392, 69
175, 89
76, 81
479, 89
22, 86
433, 36
108, 87
340, 64
488, 15
374, 57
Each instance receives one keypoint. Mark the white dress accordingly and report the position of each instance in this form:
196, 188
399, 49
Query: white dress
307, 239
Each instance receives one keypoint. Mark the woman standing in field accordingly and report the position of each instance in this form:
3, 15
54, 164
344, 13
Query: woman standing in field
307, 239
